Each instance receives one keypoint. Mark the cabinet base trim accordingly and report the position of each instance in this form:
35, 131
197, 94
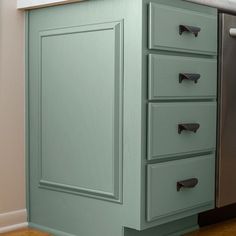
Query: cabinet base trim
175, 228
49, 230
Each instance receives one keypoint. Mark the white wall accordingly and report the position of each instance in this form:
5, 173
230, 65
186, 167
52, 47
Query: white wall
12, 164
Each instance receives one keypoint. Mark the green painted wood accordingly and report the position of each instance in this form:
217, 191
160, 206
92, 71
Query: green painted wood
164, 73
80, 117
164, 141
172, 51
163, 197
175, 228
81, 101
27, 118
87, 119
49, 230
164, 29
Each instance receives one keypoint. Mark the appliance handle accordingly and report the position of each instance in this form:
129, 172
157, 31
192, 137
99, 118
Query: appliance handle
232, 32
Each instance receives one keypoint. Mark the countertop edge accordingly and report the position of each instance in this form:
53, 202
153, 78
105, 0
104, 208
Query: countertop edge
226, 5
32, 4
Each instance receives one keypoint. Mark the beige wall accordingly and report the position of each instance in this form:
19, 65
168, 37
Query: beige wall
12, 177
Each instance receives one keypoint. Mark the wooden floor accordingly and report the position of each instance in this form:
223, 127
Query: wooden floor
227, 228
25, 232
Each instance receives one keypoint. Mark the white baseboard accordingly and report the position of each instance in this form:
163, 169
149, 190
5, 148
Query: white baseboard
13, 227
13, 220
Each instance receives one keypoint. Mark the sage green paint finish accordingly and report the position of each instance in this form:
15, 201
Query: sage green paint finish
62, 206
164, 29
73, 88
175, 228
172, 51
49, 230
81, 109
164, 73
164, 141
163, 197
27, 136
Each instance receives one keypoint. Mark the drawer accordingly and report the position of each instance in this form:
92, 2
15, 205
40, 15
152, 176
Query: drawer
165, 119
164, 29
179, 77
180, 187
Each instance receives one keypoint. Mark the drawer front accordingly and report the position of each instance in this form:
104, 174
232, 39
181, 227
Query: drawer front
165, 119
181, 77
165, 198
164, 29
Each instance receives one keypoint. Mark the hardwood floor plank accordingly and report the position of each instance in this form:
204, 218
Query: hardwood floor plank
26, 232
227, 228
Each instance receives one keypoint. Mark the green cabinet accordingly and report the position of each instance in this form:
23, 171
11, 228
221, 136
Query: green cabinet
164, 137
105, 102
165, 80
166, 198
165, 31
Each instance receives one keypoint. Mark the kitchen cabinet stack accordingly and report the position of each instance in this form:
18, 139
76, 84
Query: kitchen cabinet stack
182, 77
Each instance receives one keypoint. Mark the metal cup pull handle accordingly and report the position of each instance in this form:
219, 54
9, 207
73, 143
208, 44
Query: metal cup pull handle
190, 29
188, 76
192, 127
188, 183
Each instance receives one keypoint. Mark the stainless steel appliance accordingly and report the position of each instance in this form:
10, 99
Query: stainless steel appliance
226, 184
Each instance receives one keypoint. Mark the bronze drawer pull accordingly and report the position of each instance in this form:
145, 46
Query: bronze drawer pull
193, 127
190, 77
188, 183
190, 29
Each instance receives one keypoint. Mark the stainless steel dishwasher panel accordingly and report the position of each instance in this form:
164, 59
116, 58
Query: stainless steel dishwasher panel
226, 184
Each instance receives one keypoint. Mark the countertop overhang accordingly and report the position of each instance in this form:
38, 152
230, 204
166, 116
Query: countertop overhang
31, 4
227, 5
